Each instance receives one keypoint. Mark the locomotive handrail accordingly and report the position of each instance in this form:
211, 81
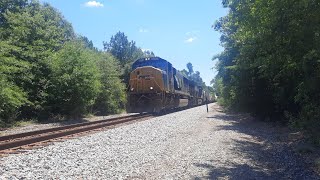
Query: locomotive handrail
157, 83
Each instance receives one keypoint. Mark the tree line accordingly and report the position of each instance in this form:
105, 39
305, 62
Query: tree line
270, 65
48, 71
194, 76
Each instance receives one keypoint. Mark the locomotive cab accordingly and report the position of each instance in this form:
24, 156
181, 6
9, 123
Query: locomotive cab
146, 80
146, 87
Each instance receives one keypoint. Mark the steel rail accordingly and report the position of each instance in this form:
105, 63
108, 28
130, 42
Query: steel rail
32, 133
54, 133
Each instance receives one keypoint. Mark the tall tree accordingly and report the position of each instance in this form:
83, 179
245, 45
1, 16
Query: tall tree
124, 50
194, 76
269, 63
45, 69
87, 43
148, 53
190, 69
33, 34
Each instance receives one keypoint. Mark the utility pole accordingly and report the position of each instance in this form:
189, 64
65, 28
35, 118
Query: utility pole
207, 104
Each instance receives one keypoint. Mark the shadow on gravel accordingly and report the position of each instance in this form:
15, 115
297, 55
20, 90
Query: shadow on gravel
235, 172
263, 146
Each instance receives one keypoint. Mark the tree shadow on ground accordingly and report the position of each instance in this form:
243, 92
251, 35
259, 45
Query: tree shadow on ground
234, 172
265, 147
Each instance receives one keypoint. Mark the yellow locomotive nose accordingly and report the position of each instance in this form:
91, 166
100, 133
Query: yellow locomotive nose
146, 79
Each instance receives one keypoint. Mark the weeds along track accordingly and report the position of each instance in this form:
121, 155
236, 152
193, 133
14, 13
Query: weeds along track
18, 142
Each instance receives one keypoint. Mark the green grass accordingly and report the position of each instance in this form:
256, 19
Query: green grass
24, 122
20, 123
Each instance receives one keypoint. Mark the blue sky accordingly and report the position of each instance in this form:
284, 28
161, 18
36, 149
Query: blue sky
176, 30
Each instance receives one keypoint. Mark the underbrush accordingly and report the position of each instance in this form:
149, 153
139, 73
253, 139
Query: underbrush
19, 123
307, 120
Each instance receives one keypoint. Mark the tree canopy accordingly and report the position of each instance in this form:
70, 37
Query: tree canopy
46, 70
270, 63
194, 76
123, 49
126, 52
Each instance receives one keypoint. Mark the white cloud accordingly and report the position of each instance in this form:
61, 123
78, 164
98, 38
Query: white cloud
142, 30
190, 40
93, 4
191, 36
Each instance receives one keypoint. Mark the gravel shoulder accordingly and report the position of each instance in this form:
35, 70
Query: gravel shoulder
190, 144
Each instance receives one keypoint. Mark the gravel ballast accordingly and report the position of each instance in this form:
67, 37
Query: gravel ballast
190, 144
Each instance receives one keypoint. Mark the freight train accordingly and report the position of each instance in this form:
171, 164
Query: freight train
156, 86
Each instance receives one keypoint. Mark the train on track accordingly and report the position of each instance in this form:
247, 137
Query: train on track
156, 86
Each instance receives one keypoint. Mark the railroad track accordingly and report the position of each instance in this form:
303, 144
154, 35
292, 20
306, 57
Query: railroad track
12, 143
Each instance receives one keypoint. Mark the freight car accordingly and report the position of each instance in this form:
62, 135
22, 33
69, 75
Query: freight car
155, 86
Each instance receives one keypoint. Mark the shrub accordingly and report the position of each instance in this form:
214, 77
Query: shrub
74, 81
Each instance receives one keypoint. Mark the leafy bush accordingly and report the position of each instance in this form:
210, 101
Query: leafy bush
74, 80
112, 97
11, 99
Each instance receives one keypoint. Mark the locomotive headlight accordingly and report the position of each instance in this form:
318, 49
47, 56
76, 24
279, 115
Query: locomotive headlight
151, 88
